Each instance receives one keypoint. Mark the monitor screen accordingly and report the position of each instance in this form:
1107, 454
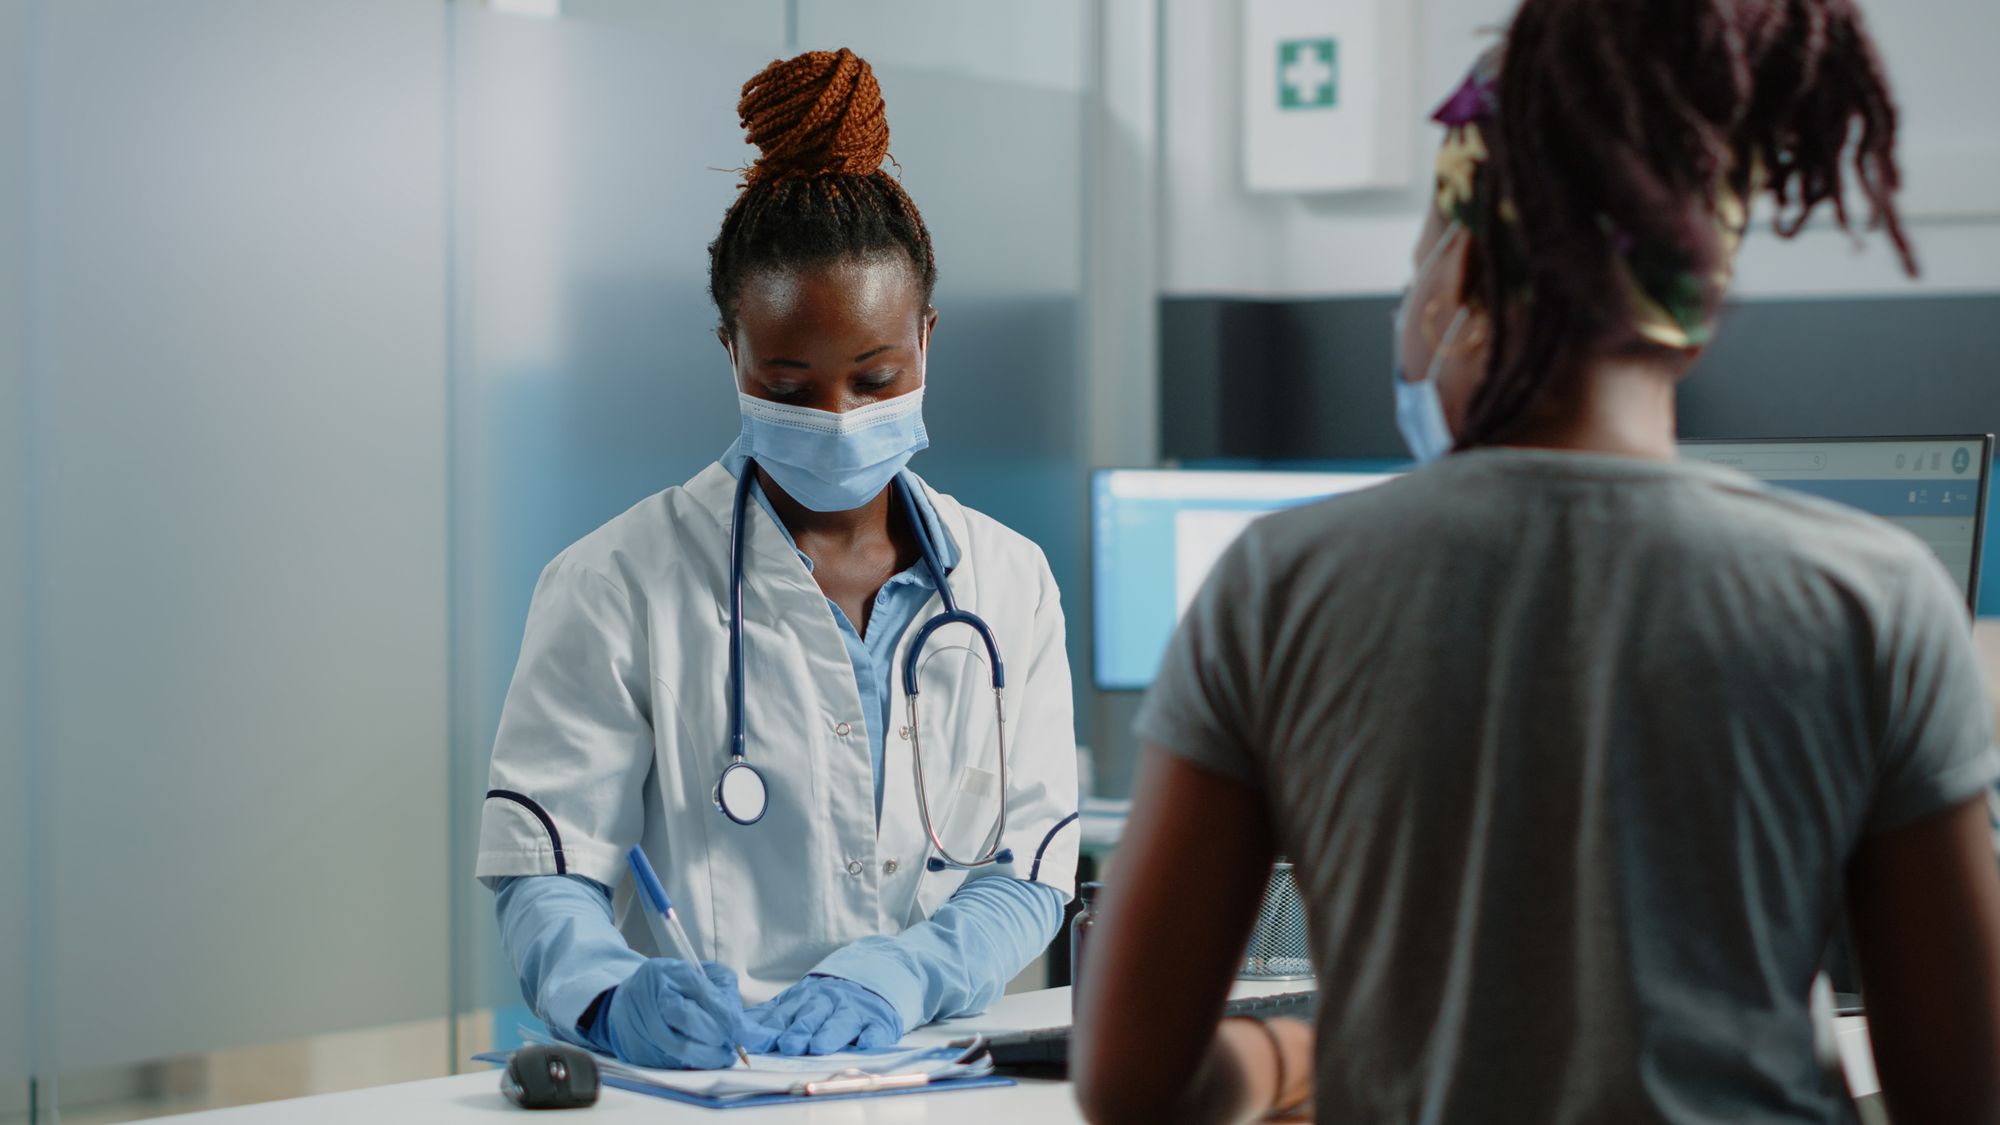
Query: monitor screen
1934, 488
1156, 533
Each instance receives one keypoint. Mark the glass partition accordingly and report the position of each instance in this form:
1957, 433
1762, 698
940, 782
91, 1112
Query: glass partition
988, 110
16, 835
323, 327
593, 160
236, 571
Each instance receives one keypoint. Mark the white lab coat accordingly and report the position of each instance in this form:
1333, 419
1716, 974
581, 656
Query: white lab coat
617, 726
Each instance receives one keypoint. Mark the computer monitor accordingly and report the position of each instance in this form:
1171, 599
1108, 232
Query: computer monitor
1933, 487
1156, 533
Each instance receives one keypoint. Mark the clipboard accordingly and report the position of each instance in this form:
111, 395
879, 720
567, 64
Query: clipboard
745, 1101
839, 1085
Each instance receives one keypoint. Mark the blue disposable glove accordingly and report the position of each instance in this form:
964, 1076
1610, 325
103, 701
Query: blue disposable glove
667, 1015
821, 1015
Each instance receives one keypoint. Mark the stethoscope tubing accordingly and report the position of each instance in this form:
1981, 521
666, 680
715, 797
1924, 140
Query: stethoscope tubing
738, 766
944, 858
737, 525
952, 615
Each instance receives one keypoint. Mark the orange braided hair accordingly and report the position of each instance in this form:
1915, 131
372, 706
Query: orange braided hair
820, 112
817, 192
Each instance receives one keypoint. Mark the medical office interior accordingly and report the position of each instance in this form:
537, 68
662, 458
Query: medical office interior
325, 325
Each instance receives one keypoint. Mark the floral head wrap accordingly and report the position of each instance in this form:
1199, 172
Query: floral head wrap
1671, 306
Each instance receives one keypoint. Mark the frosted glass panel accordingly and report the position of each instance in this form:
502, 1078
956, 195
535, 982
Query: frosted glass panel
239, 385
987, 111
1041, 43
14, 777
587, 374
592, 173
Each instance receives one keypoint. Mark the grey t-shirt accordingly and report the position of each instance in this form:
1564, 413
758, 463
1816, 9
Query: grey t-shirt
1571, 752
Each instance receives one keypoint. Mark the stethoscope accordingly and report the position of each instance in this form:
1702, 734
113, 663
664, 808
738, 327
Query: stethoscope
741, 794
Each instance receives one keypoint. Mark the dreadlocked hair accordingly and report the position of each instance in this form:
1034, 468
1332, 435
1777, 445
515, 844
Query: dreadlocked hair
1620, 123
817, 192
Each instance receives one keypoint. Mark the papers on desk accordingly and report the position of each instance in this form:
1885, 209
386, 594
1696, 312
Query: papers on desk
777, 1078
777, 1074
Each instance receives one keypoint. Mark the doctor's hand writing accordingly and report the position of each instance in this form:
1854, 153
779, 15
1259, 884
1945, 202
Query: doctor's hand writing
822, 1014
667, 1015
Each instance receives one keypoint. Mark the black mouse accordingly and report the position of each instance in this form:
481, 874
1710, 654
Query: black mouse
550, 1077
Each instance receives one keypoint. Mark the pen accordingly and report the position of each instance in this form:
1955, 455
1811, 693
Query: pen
666, 924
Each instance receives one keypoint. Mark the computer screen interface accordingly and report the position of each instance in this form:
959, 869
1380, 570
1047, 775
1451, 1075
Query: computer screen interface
1934, 488
1156, 533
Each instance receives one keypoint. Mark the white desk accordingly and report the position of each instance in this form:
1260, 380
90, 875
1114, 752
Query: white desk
476, 1097
1857, 1055
1049, 1007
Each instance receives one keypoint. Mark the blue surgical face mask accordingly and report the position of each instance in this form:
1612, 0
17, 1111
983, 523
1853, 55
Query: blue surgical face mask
833, 462
1419, 410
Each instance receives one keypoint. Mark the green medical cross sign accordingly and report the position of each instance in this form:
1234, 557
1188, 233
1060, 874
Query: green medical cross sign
1308, 73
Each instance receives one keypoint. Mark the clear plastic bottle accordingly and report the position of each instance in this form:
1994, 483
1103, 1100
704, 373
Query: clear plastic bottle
1079, 933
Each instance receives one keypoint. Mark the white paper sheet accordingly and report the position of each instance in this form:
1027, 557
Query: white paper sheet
776, 1074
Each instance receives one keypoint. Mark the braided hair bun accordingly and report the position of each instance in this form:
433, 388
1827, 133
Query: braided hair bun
815, 113
818, 193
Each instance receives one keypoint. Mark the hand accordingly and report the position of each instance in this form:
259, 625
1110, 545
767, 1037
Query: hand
821, 1015
669, 1014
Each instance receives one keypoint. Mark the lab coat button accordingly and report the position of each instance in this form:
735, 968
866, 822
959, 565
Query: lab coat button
854, 867
889, 868
842, 730
904, 734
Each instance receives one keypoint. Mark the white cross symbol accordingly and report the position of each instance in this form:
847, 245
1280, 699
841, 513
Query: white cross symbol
1307, 74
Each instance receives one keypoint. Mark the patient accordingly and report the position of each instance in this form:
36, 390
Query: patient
1580, 750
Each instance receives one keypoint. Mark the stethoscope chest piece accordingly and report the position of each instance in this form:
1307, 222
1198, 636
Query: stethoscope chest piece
741, 794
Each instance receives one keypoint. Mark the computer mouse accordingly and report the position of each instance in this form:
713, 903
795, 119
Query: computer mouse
550, 1077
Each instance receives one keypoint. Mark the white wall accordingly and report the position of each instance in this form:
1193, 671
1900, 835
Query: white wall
1029, 43
15, 840
238, 557
1123, 267
591, 158
1222, 240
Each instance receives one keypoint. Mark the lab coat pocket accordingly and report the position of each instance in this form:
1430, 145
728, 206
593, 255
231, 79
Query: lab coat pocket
966, 827
968, 824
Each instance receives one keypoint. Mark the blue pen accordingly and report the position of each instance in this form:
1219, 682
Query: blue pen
666, 924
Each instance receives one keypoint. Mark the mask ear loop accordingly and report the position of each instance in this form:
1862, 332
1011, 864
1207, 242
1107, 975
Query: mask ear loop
924, 329
1443, 351
1444, 242
1442, 346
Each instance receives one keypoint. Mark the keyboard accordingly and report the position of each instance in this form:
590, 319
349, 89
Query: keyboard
1046, 1046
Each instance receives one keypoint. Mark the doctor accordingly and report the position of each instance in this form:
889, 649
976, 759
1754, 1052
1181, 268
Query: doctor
819, 893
